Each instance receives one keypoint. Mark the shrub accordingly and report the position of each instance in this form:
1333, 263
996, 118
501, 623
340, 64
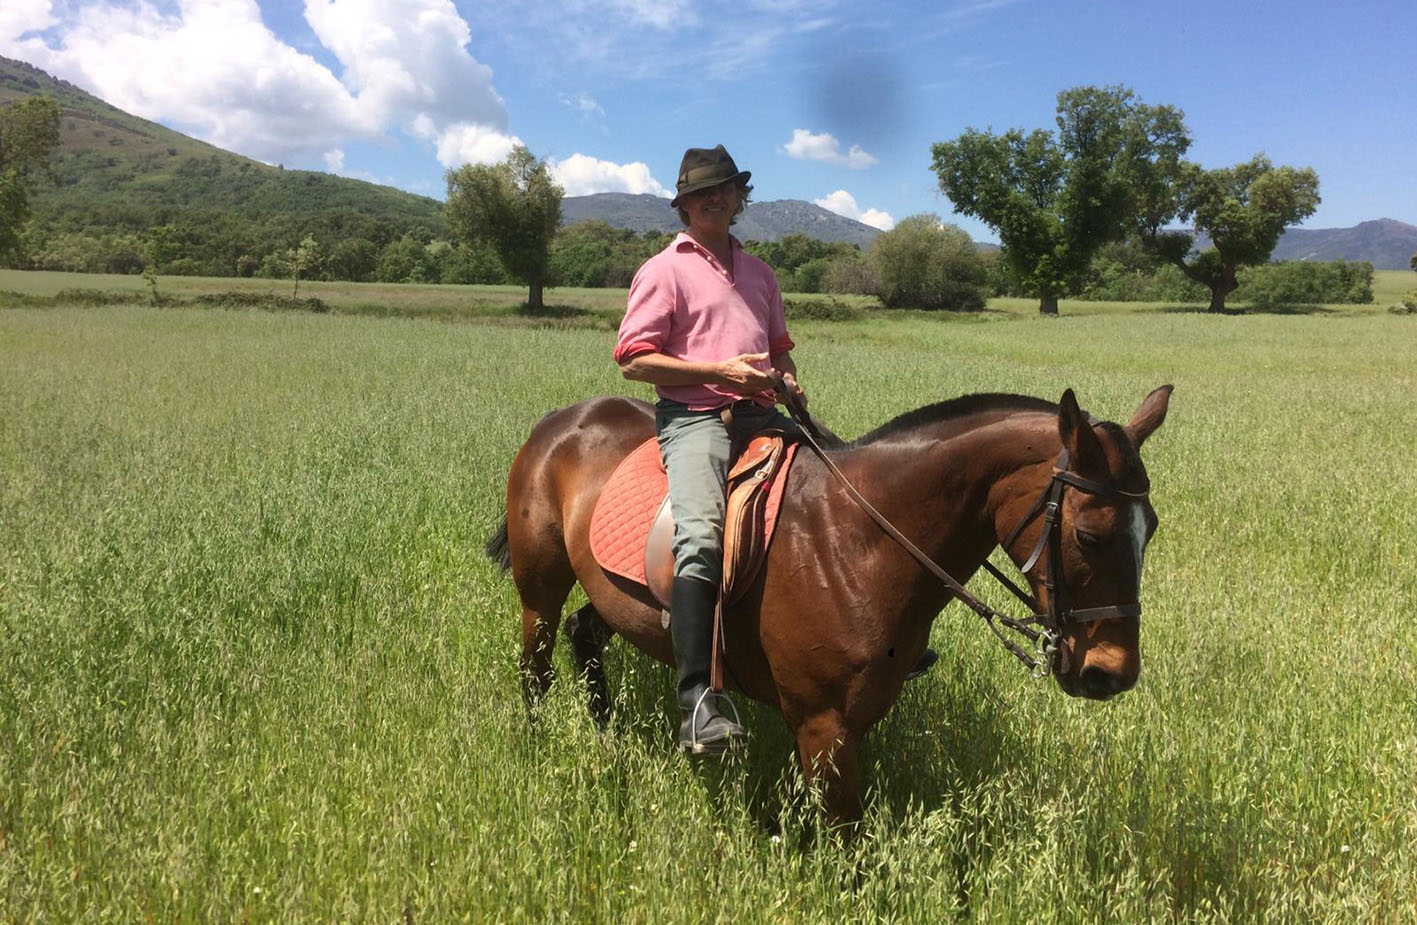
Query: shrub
1302, 282
924, 264
851, 274
820, 310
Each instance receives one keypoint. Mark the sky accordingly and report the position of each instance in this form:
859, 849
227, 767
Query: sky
828, 101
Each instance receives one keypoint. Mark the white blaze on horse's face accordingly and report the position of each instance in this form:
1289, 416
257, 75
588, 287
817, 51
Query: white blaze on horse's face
1139, 535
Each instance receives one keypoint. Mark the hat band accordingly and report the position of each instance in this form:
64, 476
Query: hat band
713, 171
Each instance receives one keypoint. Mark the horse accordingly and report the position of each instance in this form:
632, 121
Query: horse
841, 612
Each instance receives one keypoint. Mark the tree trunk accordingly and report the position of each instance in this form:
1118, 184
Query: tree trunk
1222, 288
1048, 305
534, 291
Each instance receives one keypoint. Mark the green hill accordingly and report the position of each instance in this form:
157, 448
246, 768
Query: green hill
117, 175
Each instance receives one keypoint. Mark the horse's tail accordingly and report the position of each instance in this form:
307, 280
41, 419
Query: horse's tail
497, 549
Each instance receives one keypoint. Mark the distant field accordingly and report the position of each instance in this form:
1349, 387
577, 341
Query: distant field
255, 665
599, 306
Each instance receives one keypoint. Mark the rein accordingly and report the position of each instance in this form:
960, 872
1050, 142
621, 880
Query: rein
1044, 628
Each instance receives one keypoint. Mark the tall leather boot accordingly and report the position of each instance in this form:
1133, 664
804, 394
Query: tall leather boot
702, 729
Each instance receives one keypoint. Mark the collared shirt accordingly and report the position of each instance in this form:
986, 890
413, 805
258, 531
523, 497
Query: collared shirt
684, 305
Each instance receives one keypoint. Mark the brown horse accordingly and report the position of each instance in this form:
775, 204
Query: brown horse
841, 612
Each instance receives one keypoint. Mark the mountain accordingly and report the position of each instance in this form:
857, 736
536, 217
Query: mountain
117, 174
762, 221
1385, 243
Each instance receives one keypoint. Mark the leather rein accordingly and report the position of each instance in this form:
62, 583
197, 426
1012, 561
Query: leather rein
1044, 628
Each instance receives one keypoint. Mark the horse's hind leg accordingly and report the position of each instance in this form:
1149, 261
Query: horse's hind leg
542, 599
588, 634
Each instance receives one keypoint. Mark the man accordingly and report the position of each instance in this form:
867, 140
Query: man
704, 325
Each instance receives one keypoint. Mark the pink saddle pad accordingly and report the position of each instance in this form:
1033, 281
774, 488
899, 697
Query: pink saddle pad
625, 512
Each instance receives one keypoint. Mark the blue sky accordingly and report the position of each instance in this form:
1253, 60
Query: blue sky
832, 102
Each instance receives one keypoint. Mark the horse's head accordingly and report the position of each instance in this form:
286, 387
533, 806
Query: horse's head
1091, 554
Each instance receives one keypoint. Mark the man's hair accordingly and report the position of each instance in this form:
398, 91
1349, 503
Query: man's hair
743, 188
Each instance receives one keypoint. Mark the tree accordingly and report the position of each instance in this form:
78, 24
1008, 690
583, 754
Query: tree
514, 205
29, 131
923, 264
1413, 262
1055, 199
162, 245
303, 259
1242, 209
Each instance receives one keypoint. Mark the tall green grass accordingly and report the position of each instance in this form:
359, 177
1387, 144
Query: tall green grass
255, 665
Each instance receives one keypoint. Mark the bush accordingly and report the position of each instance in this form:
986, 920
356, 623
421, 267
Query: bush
1302, 282
924, 264
851, 274
820, 310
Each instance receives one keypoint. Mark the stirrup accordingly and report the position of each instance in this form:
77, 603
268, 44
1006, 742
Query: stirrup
694, 748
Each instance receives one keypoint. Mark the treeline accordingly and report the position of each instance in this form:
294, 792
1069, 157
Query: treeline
216, 216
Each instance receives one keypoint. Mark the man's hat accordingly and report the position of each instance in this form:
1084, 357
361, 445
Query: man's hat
705, 167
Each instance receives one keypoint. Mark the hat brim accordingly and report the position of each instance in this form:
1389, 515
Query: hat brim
740, 177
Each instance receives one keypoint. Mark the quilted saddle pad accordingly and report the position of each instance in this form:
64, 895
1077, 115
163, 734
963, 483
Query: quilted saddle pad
630, 501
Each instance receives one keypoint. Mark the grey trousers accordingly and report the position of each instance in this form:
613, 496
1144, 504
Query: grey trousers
694, 446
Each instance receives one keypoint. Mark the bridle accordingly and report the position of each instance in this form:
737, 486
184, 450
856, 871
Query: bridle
1044, 629
1058, 614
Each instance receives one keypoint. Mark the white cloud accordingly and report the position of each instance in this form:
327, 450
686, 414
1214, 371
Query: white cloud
583, 103
824, 147
213, 68
20, 16
661, 14
582, 175
466, 143
843, 203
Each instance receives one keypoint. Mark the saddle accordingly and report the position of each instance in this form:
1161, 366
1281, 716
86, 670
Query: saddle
632, 529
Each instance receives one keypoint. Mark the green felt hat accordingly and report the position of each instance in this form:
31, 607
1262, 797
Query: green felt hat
705, 167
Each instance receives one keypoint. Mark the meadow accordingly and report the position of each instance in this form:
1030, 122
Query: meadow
255, 664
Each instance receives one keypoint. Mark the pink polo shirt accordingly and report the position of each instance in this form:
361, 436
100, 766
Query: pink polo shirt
683, 305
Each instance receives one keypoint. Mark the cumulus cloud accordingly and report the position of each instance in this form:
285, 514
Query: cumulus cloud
466, 142
20, 16
843, 203
582, 175
215, 69
824, 147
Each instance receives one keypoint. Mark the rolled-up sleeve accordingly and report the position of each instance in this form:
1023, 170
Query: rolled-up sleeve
648, 313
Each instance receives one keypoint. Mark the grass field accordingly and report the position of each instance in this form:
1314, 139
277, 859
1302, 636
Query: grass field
254, 664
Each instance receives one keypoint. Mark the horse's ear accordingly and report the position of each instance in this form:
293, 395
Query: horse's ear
1149, 415
1077, 436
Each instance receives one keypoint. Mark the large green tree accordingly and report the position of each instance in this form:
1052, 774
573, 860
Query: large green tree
1054, 199
1242, 210
516, 207
29, 131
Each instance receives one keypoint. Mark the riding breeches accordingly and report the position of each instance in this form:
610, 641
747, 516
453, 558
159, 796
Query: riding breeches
695, 447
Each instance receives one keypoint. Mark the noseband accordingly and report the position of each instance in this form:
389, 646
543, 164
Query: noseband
1044, 628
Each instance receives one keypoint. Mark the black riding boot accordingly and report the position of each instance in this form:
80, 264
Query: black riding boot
702, 730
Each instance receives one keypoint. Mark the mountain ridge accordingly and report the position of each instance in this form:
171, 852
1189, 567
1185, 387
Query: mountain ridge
762, 221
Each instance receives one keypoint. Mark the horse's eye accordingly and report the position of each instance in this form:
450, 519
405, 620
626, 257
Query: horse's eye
1089, 540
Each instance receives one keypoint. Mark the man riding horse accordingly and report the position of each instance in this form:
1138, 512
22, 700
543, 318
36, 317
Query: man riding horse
704, 325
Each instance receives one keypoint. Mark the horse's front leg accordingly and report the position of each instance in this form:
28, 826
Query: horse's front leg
828, 751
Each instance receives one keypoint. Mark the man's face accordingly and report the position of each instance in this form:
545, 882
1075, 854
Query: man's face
712, 209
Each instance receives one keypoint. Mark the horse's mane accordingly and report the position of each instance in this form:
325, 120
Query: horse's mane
953, 409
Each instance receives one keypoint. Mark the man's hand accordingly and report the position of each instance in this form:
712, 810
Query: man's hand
742, 375
793, 388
